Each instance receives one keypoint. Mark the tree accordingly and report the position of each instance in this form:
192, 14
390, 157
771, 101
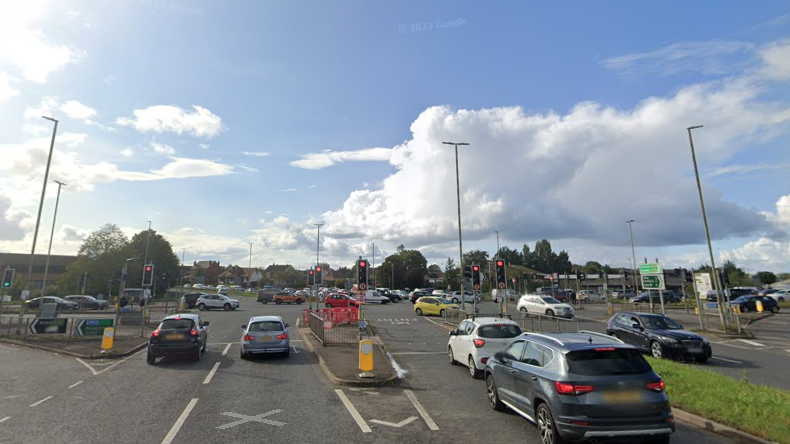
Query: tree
511, 257
478, 257
765, 277
783, 276
593, 267
562, 261
543, 257
107, 239
160, 253
434, 268
526, 257
450, 273
415, 278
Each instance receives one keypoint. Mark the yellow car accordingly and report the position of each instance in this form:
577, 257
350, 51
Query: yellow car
431, 305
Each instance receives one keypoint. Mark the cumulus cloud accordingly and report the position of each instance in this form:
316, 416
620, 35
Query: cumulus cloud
166, 118
51, 107
77, 110
776, 59
255, 153
162, 148
329, 158
7, 89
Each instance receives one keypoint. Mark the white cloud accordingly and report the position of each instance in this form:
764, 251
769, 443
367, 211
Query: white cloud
127, 152
162, 148
36, 130
328, 158
289, 190
166, 118
7, 89
51, 107
31, 52
256, 154
205, 146
73, 13
762, 254
109, 80
776, 59
77, 110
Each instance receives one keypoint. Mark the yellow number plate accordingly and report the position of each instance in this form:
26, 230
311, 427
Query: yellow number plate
174, 336
622, 397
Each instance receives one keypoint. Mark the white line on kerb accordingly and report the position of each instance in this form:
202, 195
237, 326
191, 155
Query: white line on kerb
227, 347
727, 360
39, 402
417, 353
425, 416
211, 373
353, 411
5, 419
179, 422
75, 384
756, 344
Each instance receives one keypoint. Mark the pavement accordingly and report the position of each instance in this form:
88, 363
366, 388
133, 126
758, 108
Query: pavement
46, 397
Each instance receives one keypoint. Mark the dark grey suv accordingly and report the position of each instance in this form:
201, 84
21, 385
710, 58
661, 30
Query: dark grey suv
577, 386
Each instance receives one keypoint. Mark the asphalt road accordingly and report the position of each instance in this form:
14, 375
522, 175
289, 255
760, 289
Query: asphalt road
46, 398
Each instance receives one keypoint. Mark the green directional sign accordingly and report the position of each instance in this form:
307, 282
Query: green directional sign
650, 268
652, 282
93, 327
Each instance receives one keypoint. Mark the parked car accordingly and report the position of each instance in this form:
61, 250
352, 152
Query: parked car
266, 296
416, 294
578, 386
288, 298
556, 293
780, 295
455, 297
374, 297
590, 296
544, 305
477, 339
265, 334
340, 300
60, 304
209, 301
190, 299
178, 334
87, 302
654, 295
659, 335
749, 303
433, 305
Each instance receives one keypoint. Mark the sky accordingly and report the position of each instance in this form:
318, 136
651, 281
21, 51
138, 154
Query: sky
226, 123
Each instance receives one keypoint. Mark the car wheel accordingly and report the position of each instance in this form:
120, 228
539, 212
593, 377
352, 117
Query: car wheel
546, 427
451, 356
549, 312
473, 371
287, 353
298, 302
264, 302
455, 300
418, 311
702, 359
744, 309
328, 305
524, 311
278, 301
243, 355
226, 307
202, 307
150, 358
775, 309
656, 349
493, 396
198, 355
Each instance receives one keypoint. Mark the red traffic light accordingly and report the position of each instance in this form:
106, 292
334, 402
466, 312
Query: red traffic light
318, 269
147, 268
362, 263
476, 268
500, 263
311, 272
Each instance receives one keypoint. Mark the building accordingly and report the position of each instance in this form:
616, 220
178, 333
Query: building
20, 262
205, 272
246, 277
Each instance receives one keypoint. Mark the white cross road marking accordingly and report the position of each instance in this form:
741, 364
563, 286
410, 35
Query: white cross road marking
75, 384
258, 418
421, 410
756, 344
5, 419
408, 420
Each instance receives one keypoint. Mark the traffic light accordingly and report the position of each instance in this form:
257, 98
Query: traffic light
8, 278
318, 276
476, 277
501, 275
362, 275
311, 277
468, 273
582, 276
148, 275
578, 276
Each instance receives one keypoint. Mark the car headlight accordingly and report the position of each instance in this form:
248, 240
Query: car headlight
672, 342
705, 341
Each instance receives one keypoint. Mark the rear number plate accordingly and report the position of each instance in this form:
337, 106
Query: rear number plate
622, 397
174, 337
265, 338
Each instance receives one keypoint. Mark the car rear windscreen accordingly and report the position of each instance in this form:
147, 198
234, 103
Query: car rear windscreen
607, 361
177, 324
266, 326
499, 331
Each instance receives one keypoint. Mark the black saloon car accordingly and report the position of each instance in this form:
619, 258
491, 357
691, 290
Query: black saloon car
749, 303
659, 335
178, 334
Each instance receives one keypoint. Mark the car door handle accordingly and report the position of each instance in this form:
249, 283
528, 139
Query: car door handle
512, 371
534, 378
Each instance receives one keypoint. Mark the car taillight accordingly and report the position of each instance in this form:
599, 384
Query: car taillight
194, 332
155, 333
479, 343
248, 337
283, 336
484, 360
656, 386
571, 389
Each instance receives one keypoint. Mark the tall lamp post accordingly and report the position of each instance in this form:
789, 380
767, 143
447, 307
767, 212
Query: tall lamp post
52, 234
145, 262
715, 276
41, 207
249, 265
460, 242
315, 281
373, 263
496, 257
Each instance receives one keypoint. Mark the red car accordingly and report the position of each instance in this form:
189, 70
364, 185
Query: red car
340, 300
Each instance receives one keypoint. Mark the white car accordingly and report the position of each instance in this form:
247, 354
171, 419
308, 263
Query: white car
591, 296
780, 296
544, 305
455, 297
374, 297
209, 301
199, 286
477, 339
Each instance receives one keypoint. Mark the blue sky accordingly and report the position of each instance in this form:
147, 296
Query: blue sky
233, 122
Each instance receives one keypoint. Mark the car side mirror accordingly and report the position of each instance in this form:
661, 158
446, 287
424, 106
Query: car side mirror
206, 323
453, 333
500, 356
287, 325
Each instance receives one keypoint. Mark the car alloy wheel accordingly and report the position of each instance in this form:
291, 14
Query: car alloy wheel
775, 309
451, 356
549, 312
455, 300
493, 396
278, 301
226, 307
418, 311
656, 349
546, 429
202, 307
442, 312
473, 371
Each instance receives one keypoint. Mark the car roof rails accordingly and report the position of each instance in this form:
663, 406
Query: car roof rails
601, 335
551, 338
485, 315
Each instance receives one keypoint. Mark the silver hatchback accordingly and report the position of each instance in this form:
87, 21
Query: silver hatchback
265, 334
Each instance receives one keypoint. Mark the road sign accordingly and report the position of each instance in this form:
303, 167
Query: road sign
502, 285
477, 287
48, 326
650, 282
711, 305
654, 268
93, 327
702, 283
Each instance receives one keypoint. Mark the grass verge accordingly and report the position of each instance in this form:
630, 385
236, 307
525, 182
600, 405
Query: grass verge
748, 407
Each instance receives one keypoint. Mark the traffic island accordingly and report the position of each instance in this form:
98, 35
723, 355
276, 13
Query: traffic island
79, 347
340, 362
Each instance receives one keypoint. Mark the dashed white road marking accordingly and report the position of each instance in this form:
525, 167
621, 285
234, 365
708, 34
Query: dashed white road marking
75, 384
179, 422
4, 419
756, 344
353, 411
42, 401
727, 360
425, 416
227, 347
211, 373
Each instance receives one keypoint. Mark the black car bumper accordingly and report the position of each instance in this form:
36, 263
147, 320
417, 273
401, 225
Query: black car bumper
179, 348
583, 428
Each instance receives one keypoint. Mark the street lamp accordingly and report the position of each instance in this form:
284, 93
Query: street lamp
715, 276
315, 281
52, 234
249, 265
373, 263
41, 206
460, 242
145, 262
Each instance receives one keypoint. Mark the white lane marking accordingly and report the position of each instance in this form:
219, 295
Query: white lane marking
756, 344
425, 416
4, 419
398, 425
731, 345
727, 360
399, 372
43, 400
211, 373
179, 422
295, 350
75, 384
298, 320
227, 347
86, 365
353, 411
96, 373
417, 353
432, 321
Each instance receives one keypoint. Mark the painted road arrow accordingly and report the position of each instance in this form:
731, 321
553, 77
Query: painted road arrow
408, 420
